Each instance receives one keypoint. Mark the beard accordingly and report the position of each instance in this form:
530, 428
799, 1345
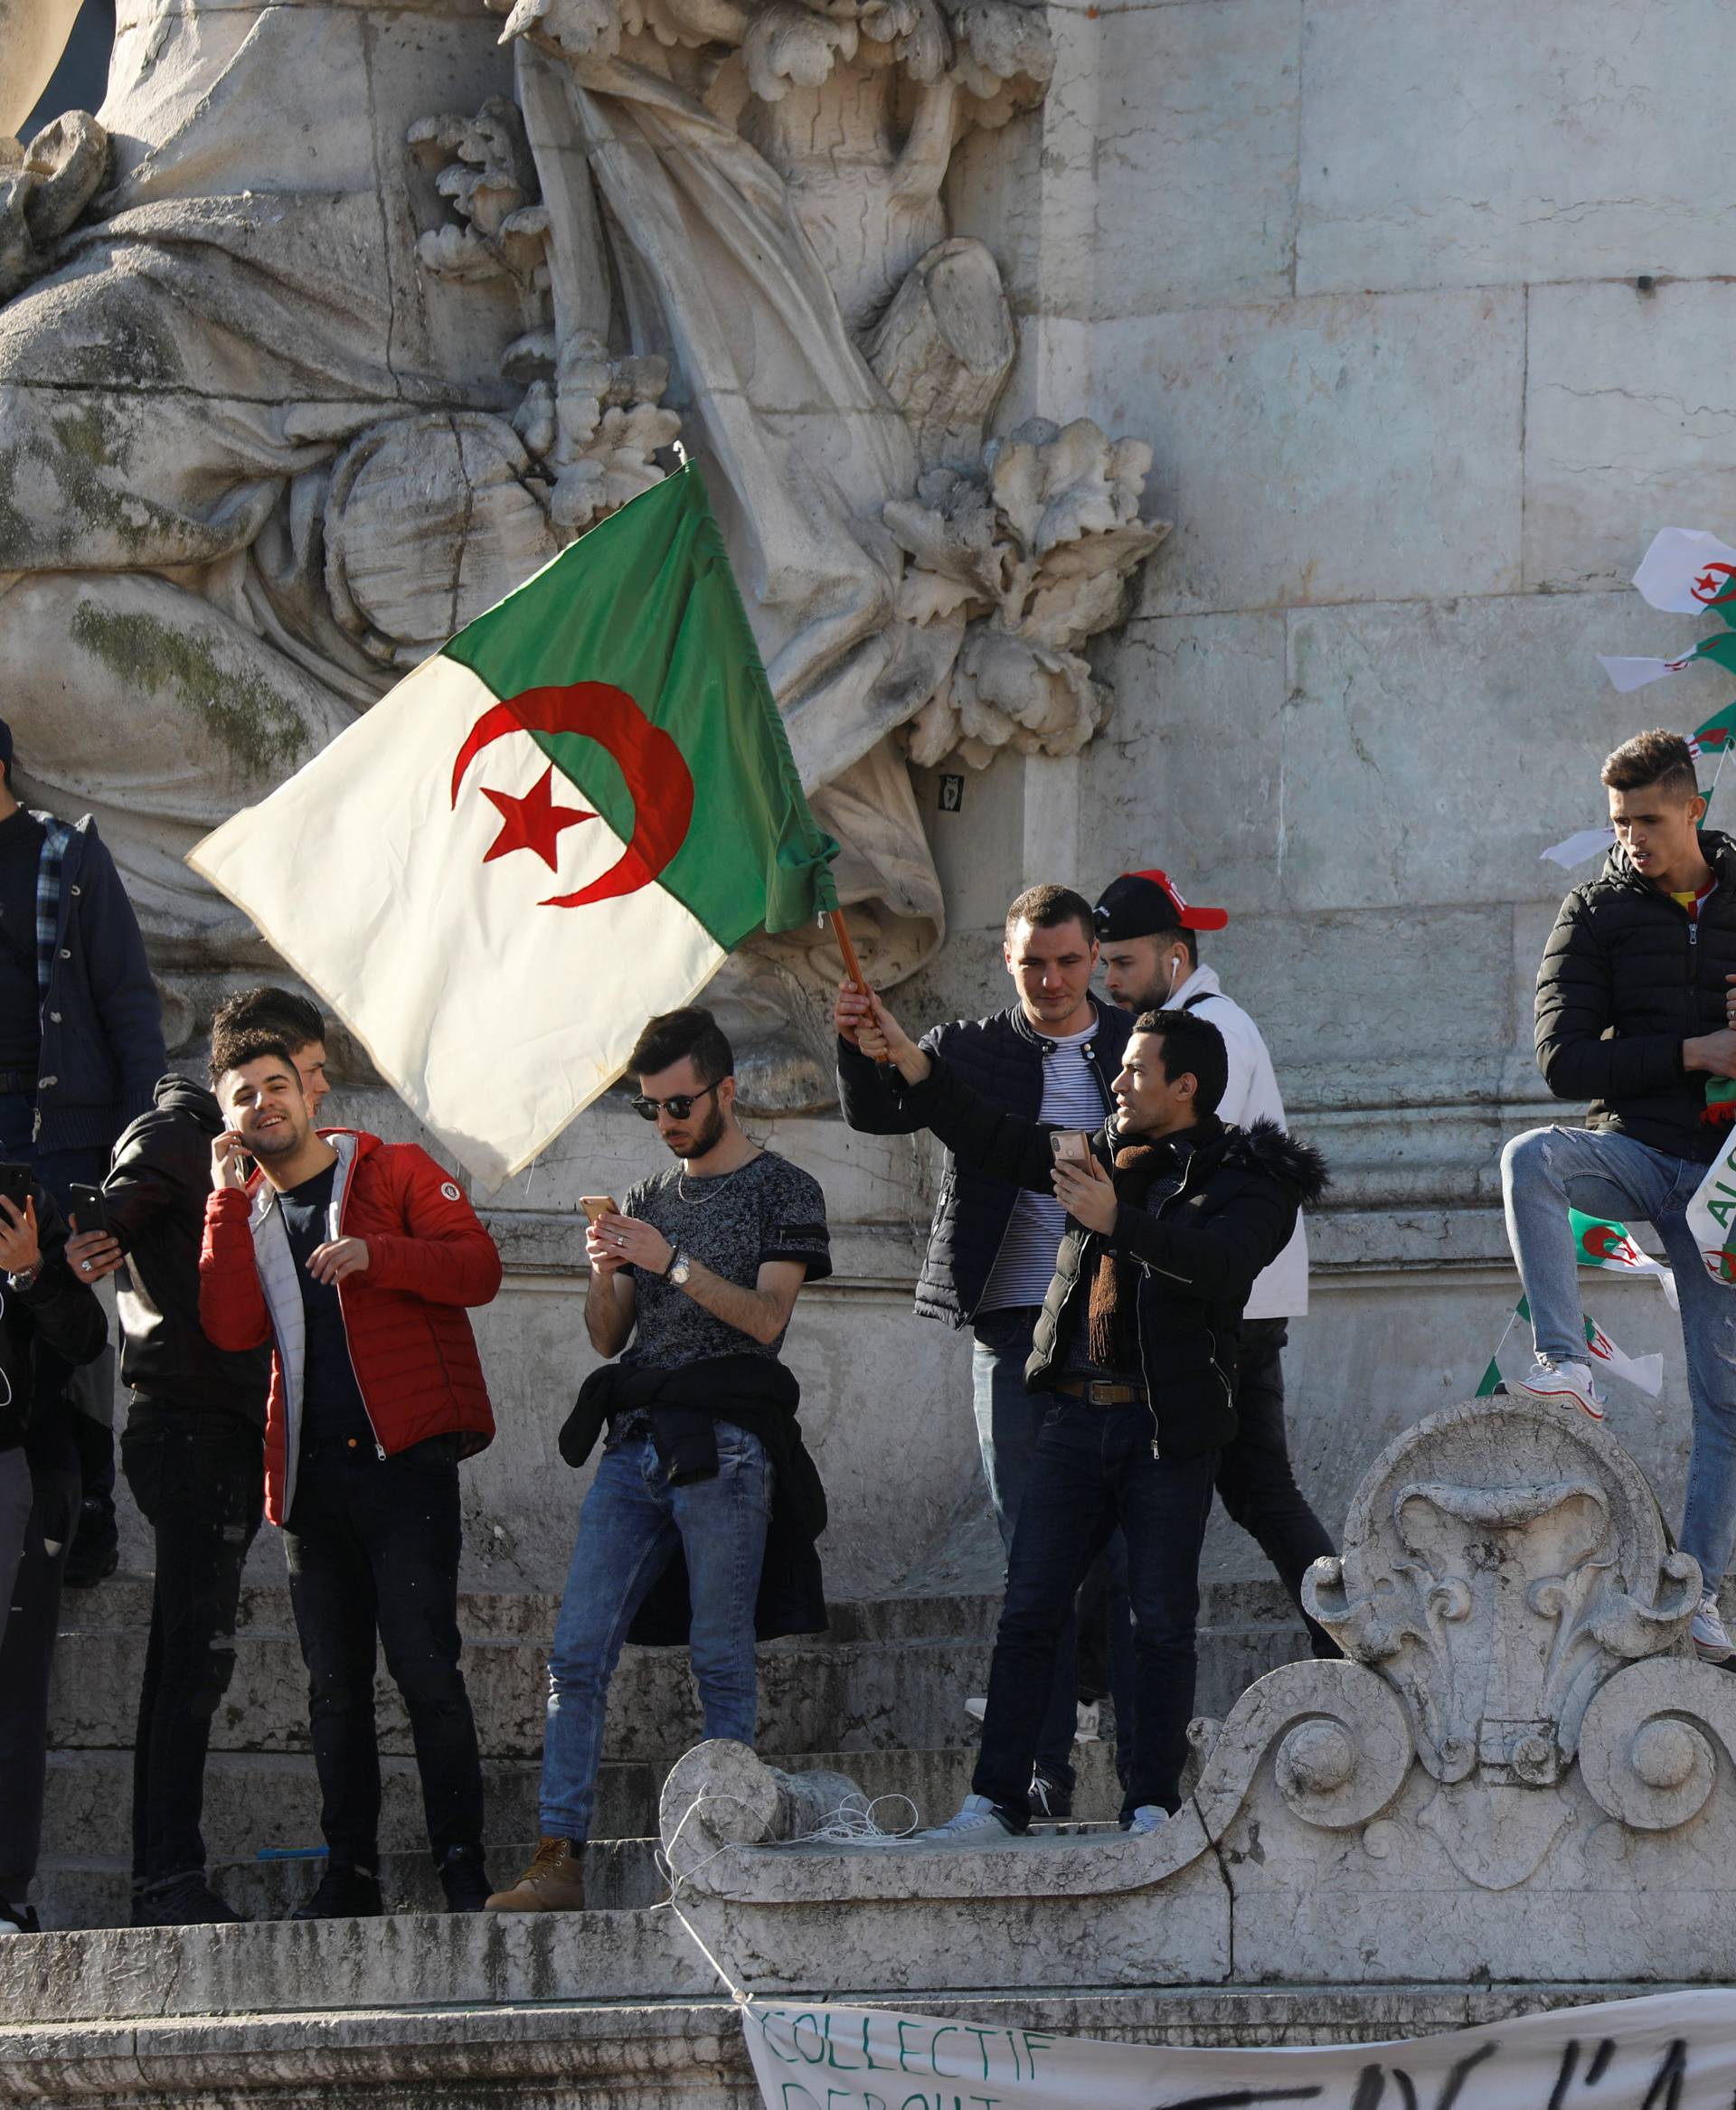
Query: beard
706, 1137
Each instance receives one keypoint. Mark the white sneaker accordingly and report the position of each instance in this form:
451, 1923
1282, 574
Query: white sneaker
1086, 1729
1561, 1381
1147, 1818
977, 1823
1711, 1644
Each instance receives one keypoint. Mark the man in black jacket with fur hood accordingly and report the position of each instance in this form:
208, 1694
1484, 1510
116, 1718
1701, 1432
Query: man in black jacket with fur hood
1170, 1216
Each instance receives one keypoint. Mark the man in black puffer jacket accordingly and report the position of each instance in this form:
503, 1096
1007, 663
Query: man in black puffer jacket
1634, 1010
1170, 1216
1052, 1056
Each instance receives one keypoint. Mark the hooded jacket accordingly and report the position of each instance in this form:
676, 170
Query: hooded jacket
1196, 1254
155, 1198
56, 1311
102, 1026
1001, 1059
1626, 977
415, 1356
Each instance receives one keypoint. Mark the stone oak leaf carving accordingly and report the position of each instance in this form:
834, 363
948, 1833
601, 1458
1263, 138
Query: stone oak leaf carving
1028, 556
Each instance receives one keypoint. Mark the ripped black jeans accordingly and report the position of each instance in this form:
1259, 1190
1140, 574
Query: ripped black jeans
198, 1478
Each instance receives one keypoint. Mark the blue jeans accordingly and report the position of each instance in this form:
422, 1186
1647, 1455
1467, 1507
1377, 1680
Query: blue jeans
1093, 1471
1009, 1420
628, 1529
1603, 1173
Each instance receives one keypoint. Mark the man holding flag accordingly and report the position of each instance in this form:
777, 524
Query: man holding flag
1633, 1013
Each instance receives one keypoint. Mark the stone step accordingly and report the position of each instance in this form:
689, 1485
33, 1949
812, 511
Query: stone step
266, 1799
892, 1675
620, 1875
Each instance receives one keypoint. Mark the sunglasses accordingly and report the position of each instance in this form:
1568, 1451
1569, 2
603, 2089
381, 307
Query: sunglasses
677, 1107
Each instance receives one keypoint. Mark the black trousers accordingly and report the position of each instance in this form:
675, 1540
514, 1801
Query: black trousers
198, 1476
373, 1546
27, 1657
1256, 1480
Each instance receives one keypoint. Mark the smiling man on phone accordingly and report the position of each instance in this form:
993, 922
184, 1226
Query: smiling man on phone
1170, 1216
357, 1259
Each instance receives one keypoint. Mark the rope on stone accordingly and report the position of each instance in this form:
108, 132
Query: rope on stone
850, 1823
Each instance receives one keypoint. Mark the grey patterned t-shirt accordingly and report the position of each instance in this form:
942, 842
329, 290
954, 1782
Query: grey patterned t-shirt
733, 1223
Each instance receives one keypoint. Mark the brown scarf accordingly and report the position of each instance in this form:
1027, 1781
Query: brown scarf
1113, 1316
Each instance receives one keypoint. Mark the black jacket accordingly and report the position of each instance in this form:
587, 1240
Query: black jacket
1624, 961
154, 1196
1001, 1059
758, 1394
57, 1311
1196, 1253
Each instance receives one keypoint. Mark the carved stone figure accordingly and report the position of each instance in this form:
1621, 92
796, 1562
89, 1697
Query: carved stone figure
299, 370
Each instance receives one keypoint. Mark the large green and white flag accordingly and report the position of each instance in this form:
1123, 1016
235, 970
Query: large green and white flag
561, 823
1686, 570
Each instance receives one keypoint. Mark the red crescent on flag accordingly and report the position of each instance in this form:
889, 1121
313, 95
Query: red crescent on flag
657, 777
1604, 1243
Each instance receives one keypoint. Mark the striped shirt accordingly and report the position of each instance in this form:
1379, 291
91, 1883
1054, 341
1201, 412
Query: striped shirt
1072, 1098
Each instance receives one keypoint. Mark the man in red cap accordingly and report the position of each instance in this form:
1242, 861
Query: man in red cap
1150, 955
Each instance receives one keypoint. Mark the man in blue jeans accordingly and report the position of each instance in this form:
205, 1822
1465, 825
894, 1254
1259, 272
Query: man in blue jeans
700, 1267
1635, 1014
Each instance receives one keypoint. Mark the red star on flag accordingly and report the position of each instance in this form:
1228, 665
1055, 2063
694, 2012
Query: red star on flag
533, 822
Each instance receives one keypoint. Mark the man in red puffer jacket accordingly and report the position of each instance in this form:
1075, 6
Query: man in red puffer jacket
355, 1259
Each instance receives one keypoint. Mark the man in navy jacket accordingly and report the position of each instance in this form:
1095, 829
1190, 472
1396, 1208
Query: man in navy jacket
1052, 1056
80, 1051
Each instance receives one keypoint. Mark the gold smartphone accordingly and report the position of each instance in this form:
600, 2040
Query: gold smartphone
1071, 1146
596, 1205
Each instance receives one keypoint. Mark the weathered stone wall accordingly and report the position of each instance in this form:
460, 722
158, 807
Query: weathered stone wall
1365, 273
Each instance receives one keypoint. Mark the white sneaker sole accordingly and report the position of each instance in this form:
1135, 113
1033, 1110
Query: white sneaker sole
1709, 1652
1535, 1391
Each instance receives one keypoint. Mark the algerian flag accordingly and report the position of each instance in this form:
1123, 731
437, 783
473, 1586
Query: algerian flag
1715, 735
1709, 1212
1686, 570
1647, 1371
561, 823
1600, 1243
1626, 675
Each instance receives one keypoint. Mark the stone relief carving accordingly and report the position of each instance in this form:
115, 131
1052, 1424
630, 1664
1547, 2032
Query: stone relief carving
305, 375
1516, 1749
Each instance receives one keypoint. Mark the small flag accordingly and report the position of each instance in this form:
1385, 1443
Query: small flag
1647, 1371
1579, 849
1628, 674
1600, 1243
1713, 737
1686, 570
561, 823
1710, 1213
1491, 1381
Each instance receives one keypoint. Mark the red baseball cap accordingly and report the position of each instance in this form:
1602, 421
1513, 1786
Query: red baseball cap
1141, 902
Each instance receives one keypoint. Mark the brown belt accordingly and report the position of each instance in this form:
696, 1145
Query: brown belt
1095, 1392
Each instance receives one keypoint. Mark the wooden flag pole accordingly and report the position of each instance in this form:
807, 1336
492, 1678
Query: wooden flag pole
852, 965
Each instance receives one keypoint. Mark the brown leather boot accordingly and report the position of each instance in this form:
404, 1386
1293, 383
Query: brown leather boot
554, 1881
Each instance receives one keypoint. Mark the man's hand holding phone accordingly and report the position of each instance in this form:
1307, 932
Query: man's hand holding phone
20, 1252
1082, 1187
229, 1161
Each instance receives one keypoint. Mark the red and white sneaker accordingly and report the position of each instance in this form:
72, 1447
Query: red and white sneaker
1561, 1381
1711, 1644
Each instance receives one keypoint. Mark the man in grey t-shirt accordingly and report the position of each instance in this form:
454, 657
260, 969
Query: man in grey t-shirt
701, 1269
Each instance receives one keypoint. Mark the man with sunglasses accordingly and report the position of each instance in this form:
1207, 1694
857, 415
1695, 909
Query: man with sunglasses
703, 1465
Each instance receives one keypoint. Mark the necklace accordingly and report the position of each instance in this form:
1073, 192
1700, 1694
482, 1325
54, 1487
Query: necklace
716, 1181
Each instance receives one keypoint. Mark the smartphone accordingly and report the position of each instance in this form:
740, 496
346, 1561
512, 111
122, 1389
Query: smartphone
15, 1183
596, 1205
89, 1207
1071, 1146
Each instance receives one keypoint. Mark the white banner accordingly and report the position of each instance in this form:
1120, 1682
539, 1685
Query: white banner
1672, 2051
